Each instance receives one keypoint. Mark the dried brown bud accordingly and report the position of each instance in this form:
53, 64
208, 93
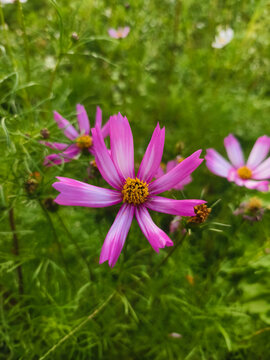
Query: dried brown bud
202, 212
45, 133
32, 183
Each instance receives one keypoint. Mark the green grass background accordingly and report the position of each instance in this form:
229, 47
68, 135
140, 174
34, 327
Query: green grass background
165, 71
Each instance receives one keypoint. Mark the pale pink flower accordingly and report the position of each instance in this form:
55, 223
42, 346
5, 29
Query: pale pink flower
251, 174
119, 33
138, 193
78, 141
170, 165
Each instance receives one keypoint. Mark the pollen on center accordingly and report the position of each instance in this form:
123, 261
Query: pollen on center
244, 172
135, 191
84, 142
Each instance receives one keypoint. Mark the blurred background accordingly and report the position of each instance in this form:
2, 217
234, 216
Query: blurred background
210, 300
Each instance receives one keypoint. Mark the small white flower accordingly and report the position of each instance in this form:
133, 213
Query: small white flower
49, 62
223, 38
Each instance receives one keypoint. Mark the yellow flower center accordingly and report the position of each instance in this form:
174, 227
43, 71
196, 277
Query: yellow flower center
135, 191
244, 172
254, 204
84, 142
179, 158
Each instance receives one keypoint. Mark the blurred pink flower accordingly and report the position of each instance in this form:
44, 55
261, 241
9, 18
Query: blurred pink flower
79, 141
119, 33
170, 165
251, 174
138, 193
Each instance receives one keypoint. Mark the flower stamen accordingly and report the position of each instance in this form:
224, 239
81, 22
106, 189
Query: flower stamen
244, 172
84, 142
135, 191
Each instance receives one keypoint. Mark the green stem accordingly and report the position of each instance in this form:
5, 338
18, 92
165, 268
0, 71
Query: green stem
77, 247
78, 327
173, 249
25, 40
16, 249
55, 237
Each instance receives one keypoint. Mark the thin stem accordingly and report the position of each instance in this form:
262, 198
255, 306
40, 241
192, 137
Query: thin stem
55, 236
74, 242
25, 40
173, 249
16, 249
78, 327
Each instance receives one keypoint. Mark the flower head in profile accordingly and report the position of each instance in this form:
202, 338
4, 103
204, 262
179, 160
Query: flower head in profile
119, 33
78, 141
251, 210
253, 173
137, 193
170, 165
223, 38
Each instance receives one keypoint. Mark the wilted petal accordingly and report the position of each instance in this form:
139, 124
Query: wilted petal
117, 234
104, 161
259, 151
216, 163
83, 121
77, 193
65, 125
152, 157
173, 207
156, 237
234, 151
122, 149
177, 174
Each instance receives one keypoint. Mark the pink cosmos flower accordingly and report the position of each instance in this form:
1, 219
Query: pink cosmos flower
137, 193
251, 174
80, 141
119, 33
170, 165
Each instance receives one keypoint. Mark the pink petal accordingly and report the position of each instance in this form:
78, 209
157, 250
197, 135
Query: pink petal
125, 31
259, 151
122, 149
62, 123
77, 193
182, 183
234, 151
117, 234
177, 174
173, 207
54, 145
106, 129
216, 163
257, 185
83, 121
262, 171
171, 164
159, 173
98, 121
104, 161
152, 157
113, 33
56, 159
156, 237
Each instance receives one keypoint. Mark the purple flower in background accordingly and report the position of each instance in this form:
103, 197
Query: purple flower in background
170, 165
251, 210
119, 33
78, 141
137, 192
251, 174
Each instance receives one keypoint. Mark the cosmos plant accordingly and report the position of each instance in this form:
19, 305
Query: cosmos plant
137, 193
78, 141
223, 38
119, 33
252, 174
